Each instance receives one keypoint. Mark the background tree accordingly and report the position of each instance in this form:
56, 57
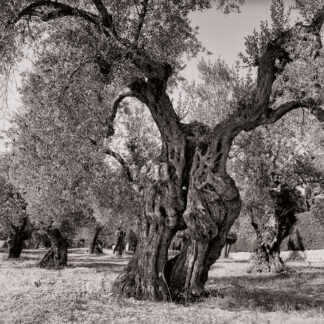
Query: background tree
277, 173
68, 180
230, 240
13, 215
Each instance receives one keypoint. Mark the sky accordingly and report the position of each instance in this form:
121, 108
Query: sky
221, 34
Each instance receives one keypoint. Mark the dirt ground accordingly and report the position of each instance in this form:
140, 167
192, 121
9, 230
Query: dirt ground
81, 294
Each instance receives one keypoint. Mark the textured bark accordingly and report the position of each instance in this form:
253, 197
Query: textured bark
161, 218
270, 234
94, 248
56, 257
267, 258
213, 204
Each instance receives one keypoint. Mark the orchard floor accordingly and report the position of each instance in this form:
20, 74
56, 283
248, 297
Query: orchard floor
81, 294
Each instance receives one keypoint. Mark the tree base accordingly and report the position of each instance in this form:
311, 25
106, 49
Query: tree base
56, 257
96, 250
140, 283
263, 262
51, 261
296, 256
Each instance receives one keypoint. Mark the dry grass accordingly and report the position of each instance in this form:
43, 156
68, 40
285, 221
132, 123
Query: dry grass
81, 294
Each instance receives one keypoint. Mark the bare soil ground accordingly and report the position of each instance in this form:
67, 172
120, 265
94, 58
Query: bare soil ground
81, 294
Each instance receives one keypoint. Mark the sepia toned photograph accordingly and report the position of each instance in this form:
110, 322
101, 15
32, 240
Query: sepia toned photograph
162, 161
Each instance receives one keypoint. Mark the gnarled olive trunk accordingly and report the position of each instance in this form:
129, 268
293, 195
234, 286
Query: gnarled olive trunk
17, 237
212, 207
274, 228
267, 254
94, 247
56, 257
161, 218
164, 184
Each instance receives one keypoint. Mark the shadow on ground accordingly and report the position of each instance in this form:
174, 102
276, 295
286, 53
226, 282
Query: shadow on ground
76, 258
294, 291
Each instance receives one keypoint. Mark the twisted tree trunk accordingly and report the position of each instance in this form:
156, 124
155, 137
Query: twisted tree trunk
161, 218
213, 206
56, 257
272, 231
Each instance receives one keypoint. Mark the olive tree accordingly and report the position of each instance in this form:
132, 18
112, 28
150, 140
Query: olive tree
139, 46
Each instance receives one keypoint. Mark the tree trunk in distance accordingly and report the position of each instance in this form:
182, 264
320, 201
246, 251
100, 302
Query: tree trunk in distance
16, 241
56, 257
212, 207
93, 245
280, 223
37, 244
15, 245
267, 260
227, 249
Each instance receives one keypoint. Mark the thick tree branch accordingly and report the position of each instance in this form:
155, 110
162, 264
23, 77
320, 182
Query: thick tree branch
107, 21
61, 10
283, 109
106, 17
153, 94
142, 16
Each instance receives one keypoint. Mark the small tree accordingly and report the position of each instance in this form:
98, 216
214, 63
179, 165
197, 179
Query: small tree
230, 240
